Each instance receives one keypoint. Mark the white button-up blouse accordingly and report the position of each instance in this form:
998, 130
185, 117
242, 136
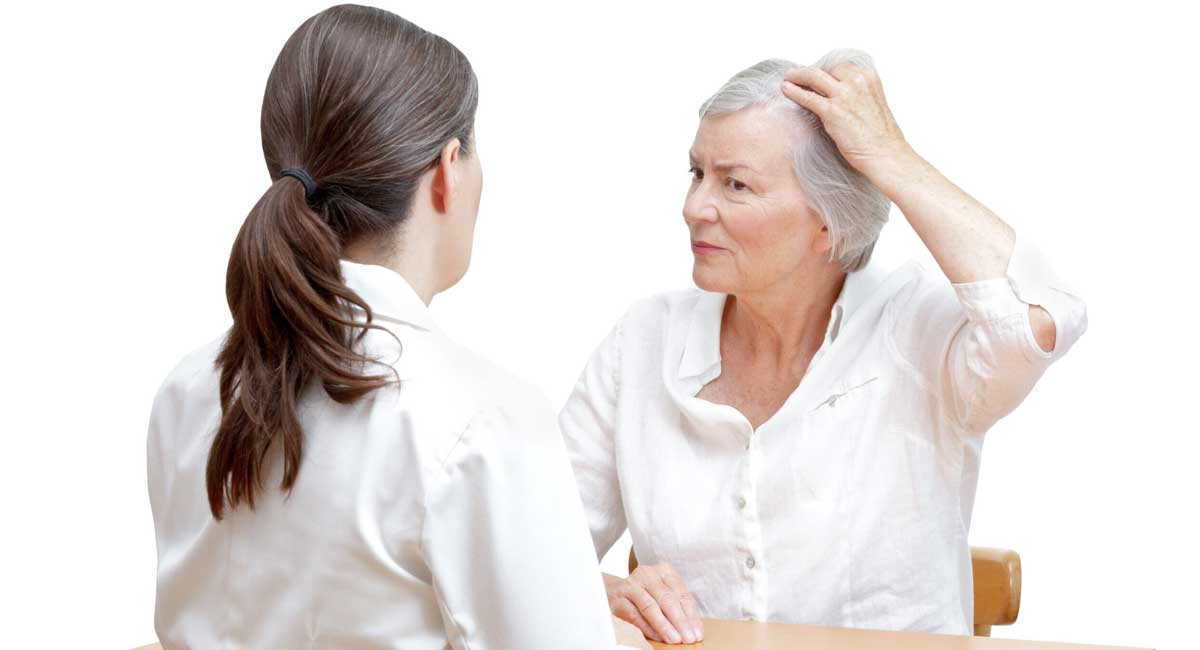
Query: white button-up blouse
848, 507
442, 514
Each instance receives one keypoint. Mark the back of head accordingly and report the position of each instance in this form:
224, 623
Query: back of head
357, 108
853, 209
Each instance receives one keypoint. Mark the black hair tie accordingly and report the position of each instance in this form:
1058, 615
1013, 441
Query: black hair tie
310, 186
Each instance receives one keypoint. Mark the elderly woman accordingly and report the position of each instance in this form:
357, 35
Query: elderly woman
799, 439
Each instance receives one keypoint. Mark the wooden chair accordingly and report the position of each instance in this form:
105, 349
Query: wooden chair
997, 573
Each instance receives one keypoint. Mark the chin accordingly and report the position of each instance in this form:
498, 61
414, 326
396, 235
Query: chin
709, 279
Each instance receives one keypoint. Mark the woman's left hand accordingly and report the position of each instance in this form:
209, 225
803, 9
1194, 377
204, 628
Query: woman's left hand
849, 100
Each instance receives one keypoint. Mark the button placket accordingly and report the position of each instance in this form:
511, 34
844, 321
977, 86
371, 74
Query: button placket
754, 550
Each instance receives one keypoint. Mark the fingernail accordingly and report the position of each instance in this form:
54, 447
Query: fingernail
673, 637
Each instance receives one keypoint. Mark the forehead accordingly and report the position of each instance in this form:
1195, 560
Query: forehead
762, 138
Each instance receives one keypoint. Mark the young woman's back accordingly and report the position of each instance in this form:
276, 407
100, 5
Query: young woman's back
427, 495
333, 472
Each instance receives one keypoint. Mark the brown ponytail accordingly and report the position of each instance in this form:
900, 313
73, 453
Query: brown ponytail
363, 101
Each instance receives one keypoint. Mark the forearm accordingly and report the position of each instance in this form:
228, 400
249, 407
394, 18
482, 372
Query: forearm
968, 241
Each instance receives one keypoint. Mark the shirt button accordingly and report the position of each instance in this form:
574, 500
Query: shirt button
749, 563
741, 502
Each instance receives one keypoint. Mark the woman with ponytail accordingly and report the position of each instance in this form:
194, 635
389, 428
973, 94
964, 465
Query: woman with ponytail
332, 472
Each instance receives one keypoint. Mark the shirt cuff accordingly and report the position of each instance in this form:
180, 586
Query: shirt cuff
1029, 280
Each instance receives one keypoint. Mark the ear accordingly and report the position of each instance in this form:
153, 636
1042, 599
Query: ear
445, 176
822, 241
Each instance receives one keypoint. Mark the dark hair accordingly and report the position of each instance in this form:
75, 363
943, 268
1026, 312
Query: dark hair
364, 101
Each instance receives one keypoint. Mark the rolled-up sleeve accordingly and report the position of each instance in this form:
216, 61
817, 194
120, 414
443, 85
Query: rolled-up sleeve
587, 422
975, 343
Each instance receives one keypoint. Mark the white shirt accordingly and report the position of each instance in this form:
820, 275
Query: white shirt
439, 514
850, 506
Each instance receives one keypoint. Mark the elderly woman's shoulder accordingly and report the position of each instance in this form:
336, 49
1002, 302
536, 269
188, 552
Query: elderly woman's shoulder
656, 312
917, 276
879, 287
917, 286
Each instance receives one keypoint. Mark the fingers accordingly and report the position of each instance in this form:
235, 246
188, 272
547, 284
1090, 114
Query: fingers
819, 91
807, 98
656, 601
855, 75
625, 610
690, 609
648, 607
668, 601
629, 635
815, 79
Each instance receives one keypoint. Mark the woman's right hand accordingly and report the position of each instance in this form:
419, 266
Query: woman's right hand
654, 599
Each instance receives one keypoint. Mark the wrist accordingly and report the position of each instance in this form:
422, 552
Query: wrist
899, 169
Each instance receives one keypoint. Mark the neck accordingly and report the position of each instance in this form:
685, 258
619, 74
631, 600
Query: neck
784, 324
415, 265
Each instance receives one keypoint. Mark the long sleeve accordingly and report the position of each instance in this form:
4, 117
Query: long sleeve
587, 422
973, 342
506, 541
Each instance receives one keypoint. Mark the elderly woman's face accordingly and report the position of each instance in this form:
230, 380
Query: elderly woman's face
750, 223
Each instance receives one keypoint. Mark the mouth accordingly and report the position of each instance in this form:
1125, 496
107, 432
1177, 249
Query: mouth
704, 248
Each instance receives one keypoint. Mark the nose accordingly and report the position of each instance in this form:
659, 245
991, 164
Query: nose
699, 205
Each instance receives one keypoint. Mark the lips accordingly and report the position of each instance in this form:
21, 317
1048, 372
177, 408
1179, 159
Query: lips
704, 247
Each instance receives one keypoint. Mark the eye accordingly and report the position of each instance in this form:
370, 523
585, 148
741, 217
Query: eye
737, 185
697, 174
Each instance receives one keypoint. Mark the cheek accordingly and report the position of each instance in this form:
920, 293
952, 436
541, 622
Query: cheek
765, 234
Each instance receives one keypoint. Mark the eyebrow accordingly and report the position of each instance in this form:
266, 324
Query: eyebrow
724, 165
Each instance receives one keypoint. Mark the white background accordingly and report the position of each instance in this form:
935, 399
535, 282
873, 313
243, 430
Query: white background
131, 155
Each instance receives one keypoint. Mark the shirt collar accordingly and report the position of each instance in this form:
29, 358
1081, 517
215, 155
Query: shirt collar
702, 346
859, 286
388, 293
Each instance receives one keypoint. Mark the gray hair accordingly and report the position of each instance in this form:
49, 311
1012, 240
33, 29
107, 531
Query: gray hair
847, 203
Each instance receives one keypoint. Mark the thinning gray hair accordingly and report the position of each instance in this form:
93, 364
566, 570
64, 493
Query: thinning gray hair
847, 203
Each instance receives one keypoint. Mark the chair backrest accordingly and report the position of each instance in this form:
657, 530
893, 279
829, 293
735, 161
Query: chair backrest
997, 576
